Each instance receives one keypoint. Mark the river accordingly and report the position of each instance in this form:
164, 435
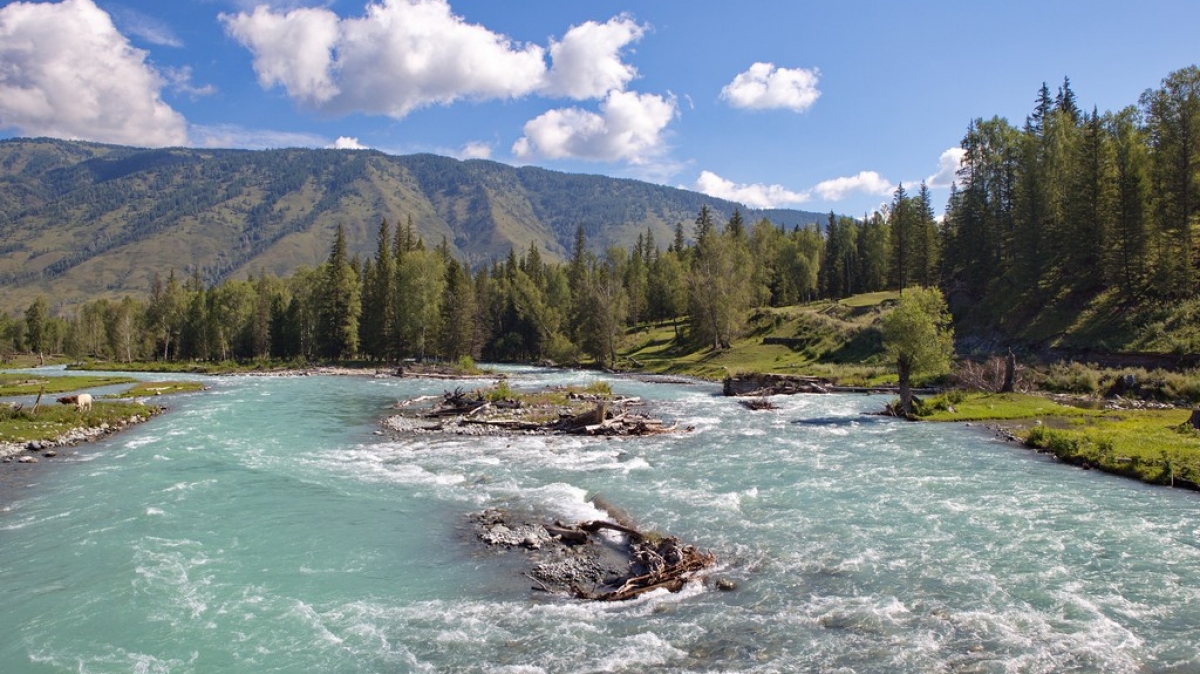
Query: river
264, 526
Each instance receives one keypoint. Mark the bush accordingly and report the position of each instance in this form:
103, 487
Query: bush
599, 388
1071, 378
500, 392
466, 365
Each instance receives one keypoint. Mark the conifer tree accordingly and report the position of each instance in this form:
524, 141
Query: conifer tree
337, 331
377, 301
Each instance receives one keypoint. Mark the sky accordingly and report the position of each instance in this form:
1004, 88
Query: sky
820, 106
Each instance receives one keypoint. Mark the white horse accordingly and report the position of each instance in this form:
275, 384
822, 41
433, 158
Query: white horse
82, 402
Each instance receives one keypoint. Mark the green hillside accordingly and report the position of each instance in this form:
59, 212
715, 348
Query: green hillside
82, 220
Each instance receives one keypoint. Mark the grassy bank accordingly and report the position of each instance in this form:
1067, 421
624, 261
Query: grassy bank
1157, 446
24, 384
835, 340
186, 367
158, 388
51, 422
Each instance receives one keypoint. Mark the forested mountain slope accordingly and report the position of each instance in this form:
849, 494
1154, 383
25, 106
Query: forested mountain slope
83, 220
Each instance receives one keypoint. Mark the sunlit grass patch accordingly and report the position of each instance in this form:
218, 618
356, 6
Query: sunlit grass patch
20, 384
155, 388
1151, 445
53, 420
958, 406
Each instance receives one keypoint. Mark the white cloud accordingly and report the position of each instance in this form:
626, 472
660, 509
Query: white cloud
948, 165
348, 143
65, 71
764, 86
180, 80
293, 49
629, 127
587, 62
230, 135
477, 149
866, 182
146, 27
400, 56
754, 196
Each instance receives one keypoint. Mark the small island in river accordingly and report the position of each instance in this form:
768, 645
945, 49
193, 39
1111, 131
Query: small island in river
499, 409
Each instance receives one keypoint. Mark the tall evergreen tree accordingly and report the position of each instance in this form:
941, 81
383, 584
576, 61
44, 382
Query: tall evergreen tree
378, 304
37, 317
1172, 116
337, 331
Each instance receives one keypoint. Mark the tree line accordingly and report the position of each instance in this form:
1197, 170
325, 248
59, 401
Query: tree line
408, 301
1076, 203
1069, 204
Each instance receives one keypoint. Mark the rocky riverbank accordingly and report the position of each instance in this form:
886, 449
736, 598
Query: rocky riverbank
34, 451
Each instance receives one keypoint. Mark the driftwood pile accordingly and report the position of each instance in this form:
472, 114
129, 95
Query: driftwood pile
604, 417
581, 562
758, 404
659, 563
768, 384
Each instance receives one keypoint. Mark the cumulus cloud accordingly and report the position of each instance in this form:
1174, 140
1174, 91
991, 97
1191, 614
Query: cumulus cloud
948, 165
65, 71
348, 143
231, 135
629, 127
866, 182
587, 62
400, 56
754, 196
293, 49
764, 87
476, 150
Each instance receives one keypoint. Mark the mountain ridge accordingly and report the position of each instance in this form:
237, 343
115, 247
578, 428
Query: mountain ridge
80, 220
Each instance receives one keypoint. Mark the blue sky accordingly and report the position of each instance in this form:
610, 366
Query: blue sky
811, 105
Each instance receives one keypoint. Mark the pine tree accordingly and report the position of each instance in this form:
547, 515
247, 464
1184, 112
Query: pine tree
37, 316
337, 332
1172, 114
377, 301
902, 232
458, 307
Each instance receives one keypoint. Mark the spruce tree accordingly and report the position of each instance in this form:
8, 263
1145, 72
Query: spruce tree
337, 331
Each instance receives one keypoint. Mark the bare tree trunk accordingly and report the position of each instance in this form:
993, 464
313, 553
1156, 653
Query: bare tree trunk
1010, 372
904, 369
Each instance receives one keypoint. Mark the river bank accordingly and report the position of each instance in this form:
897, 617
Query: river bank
19, 452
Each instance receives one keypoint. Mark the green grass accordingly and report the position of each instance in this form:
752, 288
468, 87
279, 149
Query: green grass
187, 367
52, 421
27, 360
839, 341
25, 384
1153, 446
995, 407
1148, 445
156, 388
870, 299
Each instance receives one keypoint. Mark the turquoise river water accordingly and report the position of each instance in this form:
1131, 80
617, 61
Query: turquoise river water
262, 526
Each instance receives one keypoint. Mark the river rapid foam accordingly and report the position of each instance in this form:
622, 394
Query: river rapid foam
265, 527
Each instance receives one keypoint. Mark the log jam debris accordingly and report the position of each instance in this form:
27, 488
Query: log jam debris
578, 561
562, 411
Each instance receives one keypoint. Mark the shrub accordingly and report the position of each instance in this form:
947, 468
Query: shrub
501, 391
599, 388
1071, 378
466, 365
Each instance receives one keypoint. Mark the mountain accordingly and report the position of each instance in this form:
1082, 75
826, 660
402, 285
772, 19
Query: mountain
83, 220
